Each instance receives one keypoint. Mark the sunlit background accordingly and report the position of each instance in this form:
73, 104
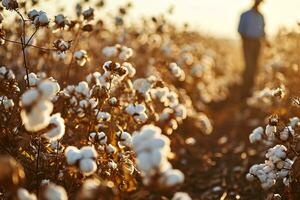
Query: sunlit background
217, 17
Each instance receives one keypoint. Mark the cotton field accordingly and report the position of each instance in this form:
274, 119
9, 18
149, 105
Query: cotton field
96, 108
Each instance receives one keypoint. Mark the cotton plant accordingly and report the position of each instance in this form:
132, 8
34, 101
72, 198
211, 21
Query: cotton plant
152, 149
37, 109
279, 158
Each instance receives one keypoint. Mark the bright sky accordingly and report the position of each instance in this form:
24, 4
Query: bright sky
218, 17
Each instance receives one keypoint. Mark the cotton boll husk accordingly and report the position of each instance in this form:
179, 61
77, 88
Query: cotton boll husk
88, 152
72, 154
87, 166
58, 131
49, 89
55, 192
29, 97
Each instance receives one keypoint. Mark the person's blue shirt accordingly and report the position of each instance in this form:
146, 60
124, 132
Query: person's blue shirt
252, 24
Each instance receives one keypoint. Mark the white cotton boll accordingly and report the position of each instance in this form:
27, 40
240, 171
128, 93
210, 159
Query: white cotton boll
83, 103
270, 132
172, 99
177, 71
33, 79
29, 97
49, 89
157, 158
142, 85
141, 117
55, 192
23, 194
284, 135
172, 177
109, 51
255, 136
80, 54
126, 53
110, 149
83, 88
156, 143
7, 103
143, 162
87, 166
93, 77
58, 131
294, 122
112, 164
181, 196
39, 116
124, 138
102, 138
93, 103
250, 177
103, 116
139, 108
131, 70
180, 111
277, 153
41, 19
147, 132
88, 152
72, 154
165, 115
283, 173
130, 109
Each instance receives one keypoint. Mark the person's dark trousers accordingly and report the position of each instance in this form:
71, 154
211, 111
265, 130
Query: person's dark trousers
251, 49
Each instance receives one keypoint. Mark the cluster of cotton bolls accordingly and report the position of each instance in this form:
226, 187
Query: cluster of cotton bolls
37, 108
266, 96
272, 132
177, 71
138, 112
84, 158
152, 149
205, 65
143, 87
174, 112
79, 97
122, 52
276, 166
38, 18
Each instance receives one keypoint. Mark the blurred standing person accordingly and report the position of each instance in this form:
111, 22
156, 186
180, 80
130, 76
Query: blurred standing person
252, 31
